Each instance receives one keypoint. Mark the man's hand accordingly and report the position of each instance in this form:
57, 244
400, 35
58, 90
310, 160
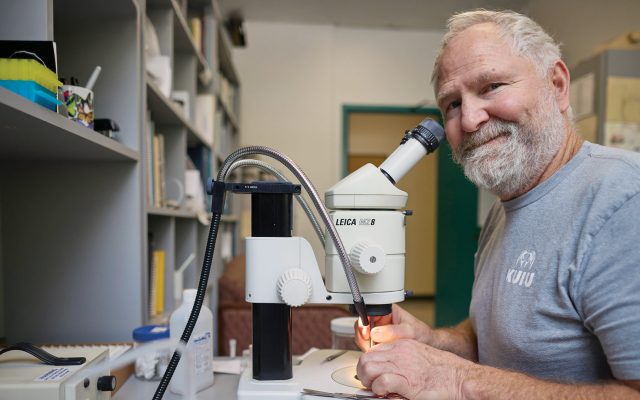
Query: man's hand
421, 372
460, 339
413, 370
398, 325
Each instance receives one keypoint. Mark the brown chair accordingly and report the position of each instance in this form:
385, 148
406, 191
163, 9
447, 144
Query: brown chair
310, 323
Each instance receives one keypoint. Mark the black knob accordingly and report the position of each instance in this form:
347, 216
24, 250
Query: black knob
107, 383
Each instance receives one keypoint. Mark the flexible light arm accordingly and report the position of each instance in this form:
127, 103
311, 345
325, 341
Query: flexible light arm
358, 300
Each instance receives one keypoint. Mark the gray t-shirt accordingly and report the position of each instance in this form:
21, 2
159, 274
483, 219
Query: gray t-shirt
557, 273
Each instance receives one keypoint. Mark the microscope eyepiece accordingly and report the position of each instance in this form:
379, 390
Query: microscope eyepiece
416, 143
429, 133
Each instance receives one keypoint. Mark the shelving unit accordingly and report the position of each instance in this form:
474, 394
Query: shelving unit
75, 215
30, 132
606, 95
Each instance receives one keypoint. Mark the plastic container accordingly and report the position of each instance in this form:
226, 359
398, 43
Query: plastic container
32, 91
29, 70
200, 346
151, 366
343, 334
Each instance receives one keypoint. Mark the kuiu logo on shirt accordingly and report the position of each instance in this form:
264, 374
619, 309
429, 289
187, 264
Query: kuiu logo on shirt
521, 273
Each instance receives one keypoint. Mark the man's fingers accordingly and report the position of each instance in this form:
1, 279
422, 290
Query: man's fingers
361, 337
369, 371
390, 383
389, 333
363, 344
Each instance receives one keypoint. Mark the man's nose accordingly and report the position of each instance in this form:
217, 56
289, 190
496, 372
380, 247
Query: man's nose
473, 115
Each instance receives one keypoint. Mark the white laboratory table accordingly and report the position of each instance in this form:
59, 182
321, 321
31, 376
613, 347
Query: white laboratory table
224, 387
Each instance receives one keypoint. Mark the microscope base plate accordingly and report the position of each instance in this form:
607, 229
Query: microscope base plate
311, 373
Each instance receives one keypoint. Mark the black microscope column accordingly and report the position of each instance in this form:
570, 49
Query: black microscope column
271, 217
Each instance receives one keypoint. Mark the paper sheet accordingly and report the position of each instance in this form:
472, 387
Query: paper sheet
228, 366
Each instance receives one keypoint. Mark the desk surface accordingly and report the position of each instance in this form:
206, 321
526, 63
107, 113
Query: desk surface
224, 386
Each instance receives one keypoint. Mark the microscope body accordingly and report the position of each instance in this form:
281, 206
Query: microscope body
366, 209
375, 240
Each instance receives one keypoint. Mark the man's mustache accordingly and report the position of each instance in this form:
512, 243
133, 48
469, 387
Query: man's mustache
486, 133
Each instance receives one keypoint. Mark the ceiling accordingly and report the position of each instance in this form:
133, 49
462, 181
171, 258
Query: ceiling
396, 14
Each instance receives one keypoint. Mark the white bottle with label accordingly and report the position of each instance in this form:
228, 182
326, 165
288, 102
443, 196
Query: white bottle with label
200, 346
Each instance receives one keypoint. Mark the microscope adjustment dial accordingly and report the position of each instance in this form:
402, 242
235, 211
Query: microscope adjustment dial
294, 287
367, 257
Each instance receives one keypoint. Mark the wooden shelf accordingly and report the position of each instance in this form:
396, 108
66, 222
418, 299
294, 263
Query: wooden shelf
30, 132
229, 218
184, 42
170, 212
166, 112
228, 113
73, 11
226, 63
100, 232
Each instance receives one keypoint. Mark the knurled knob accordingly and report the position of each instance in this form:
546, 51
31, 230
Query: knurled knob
107, 383
294, 287
367, 257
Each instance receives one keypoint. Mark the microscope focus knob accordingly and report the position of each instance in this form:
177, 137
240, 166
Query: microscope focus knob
367, 257
294, 287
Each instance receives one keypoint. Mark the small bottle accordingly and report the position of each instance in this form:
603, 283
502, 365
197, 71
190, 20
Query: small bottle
200, 346
343, 333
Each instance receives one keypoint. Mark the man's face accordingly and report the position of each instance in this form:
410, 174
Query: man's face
501, 117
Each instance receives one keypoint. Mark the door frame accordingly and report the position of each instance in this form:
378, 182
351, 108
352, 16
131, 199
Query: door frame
457, 230
374, 109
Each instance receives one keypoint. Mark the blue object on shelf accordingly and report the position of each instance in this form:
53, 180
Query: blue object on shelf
32, 91
148, 333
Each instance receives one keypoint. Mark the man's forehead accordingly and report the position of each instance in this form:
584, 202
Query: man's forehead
478, 53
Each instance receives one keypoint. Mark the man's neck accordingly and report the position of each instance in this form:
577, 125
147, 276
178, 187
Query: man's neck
570, 147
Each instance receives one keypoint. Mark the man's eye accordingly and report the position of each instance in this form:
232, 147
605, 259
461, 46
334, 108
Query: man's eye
494, 86
453, 105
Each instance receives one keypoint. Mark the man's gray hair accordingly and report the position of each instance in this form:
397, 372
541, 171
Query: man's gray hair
526, 37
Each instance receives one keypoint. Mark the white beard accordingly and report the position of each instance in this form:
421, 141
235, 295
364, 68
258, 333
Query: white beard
510, 164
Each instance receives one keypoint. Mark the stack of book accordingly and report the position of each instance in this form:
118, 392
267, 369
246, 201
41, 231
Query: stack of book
155, 171
156, 282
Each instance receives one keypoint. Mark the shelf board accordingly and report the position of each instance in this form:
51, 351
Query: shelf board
71, 11
224, 51
166, 112
160, 319
170, 212
229, 114
200, 3
184, 42
229, 218
29, 131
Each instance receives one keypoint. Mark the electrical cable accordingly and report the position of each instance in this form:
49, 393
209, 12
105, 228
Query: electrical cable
197, 305
211, 241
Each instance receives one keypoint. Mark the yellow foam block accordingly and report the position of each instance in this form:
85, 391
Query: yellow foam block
28, 70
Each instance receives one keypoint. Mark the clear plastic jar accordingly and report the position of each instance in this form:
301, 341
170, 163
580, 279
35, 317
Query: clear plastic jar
151, 365
343, 334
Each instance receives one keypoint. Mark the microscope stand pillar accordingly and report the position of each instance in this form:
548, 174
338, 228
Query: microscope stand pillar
271, 216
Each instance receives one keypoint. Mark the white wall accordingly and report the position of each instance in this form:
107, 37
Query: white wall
583, 25
295, 79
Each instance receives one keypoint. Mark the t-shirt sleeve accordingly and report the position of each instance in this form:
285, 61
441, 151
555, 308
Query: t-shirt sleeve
608, 289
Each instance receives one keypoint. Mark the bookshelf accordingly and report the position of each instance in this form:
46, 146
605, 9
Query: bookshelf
30, 131
77, 224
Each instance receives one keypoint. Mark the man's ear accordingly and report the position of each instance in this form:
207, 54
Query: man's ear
560, 79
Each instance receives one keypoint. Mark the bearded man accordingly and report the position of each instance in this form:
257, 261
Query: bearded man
555, 309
